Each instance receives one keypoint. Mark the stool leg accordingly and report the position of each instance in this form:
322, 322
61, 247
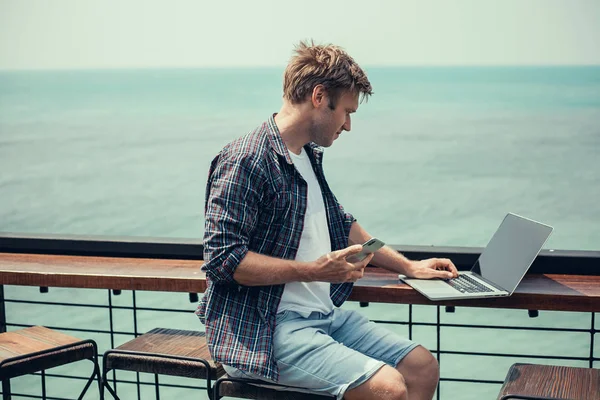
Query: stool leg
43, 385
100, 385
95, 373
156, 386
107, 385
216, 392
6, 390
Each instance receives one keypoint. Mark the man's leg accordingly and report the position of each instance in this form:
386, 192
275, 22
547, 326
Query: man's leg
415, 378
386, 384
421, 373
309, 357
416, 369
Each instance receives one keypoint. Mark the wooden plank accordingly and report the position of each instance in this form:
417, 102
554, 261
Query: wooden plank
102, 272
549, 381
537, 292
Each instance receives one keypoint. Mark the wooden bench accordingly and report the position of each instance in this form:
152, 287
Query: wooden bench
532, 381
37, 349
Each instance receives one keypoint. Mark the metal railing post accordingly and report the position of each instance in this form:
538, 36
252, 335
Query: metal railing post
2, 311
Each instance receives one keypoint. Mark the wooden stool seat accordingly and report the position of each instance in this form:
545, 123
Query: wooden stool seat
164, 352
36, 349
532, 381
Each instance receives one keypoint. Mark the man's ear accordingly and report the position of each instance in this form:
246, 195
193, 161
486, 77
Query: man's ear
319, 96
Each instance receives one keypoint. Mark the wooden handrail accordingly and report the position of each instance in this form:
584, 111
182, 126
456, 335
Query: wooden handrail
536, 291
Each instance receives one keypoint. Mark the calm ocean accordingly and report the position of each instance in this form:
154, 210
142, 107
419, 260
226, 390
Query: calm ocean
436, 157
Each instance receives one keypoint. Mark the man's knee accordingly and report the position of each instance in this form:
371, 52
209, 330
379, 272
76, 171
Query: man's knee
386, 384
392, 390
419, 366
429, 364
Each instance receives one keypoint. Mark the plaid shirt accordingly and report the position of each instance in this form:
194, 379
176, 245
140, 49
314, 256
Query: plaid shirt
256, 201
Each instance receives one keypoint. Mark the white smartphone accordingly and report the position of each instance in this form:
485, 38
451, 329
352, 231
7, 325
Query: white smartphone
368, 247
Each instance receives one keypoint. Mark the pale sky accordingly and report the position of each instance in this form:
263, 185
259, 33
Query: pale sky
48, 34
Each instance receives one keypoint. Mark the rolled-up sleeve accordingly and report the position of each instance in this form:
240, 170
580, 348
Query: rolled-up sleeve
231, 211
347, 218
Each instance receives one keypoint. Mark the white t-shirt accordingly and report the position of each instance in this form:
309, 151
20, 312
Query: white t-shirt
306, 297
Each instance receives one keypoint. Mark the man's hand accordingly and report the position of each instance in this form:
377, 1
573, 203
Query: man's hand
432, 268
334, 268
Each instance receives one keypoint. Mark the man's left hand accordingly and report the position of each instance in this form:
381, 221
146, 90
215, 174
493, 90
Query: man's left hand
441, 268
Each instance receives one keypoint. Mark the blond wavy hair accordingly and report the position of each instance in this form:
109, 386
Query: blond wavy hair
326, 65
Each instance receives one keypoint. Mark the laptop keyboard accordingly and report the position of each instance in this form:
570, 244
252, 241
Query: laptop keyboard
466, 284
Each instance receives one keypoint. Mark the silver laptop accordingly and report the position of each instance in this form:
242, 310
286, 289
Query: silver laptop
500, 267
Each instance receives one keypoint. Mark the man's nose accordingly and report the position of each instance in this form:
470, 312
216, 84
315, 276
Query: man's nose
348, 124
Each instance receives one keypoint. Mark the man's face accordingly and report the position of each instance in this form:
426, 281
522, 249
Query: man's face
328, 124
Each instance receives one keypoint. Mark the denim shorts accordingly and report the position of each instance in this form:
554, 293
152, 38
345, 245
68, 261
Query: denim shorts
329, 354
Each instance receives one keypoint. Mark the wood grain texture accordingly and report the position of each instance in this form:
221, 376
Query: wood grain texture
43, 341
31, 340
549, 381
102, 272
536, 292
158, 342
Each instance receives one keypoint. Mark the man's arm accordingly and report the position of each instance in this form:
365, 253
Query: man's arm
260, 270
234, 197
390, 259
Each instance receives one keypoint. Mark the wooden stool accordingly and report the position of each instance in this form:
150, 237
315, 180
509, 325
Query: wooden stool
532, 381
34, 349
164, 352
248, 389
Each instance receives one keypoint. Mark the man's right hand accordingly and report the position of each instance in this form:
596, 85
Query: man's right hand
334, 267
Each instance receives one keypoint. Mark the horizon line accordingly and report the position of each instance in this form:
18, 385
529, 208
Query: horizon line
282, 66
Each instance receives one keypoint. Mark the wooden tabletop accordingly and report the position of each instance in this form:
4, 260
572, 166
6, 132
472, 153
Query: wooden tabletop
535, 292
552, 382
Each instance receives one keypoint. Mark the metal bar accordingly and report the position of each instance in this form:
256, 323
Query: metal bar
43, 384
491, 382
584, 330
438, 348
2, 310
135, 332
39, 397
156, 387
472, 353
505, 327
592, 332
112, 336
87, 305
6, 393
410, 321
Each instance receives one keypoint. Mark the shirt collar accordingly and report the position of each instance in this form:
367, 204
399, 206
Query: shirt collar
280, 147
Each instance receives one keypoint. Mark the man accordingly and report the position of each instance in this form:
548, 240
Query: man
276, 242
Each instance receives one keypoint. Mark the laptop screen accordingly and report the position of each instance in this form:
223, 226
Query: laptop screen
511, 251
